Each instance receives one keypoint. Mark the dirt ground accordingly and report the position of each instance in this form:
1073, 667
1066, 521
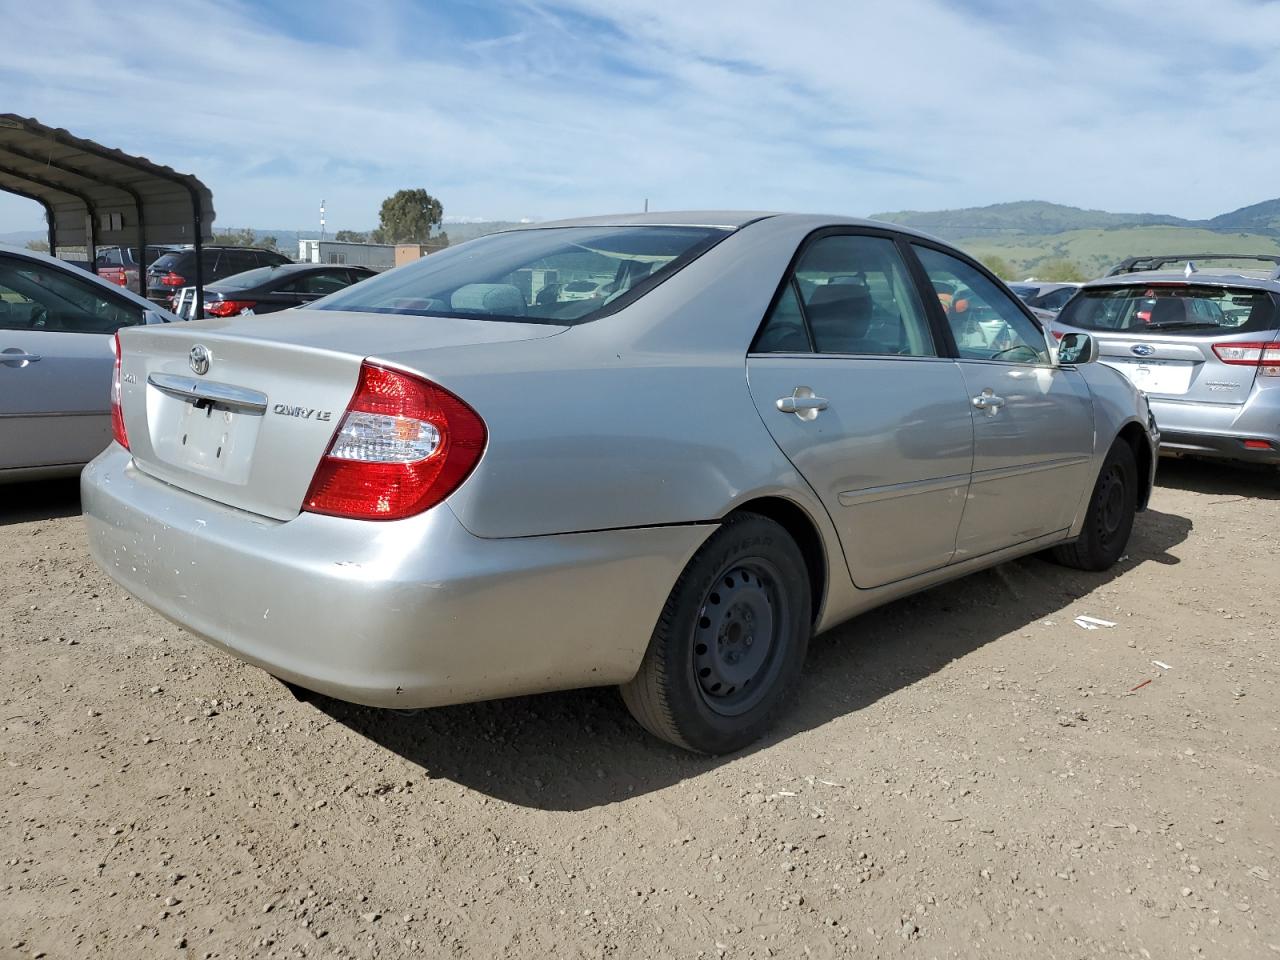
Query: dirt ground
967, 773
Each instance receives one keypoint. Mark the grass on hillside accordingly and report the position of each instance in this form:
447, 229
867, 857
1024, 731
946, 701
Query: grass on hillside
1094, 251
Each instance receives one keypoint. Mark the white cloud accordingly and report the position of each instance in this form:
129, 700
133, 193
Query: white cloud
559, 107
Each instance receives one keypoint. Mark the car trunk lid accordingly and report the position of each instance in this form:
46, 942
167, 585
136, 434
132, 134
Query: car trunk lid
241, 411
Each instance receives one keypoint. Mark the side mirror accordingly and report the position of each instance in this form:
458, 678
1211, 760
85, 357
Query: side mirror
1076, 348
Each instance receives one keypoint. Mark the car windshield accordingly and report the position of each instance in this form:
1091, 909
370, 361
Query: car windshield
1198, 310
560, 275
1024, 291
243, 281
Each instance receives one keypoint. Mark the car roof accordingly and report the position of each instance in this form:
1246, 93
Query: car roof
1247, 279
75, 271
724, 219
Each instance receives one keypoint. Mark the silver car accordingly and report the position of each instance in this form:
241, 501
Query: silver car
1204, 345
56, 327
442, 485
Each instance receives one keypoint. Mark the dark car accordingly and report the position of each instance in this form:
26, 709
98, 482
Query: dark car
268, 289
177, 268
119, 265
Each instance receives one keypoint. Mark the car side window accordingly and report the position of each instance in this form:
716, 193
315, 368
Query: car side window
849, 295
986, 322
1057, 299
34, 296
329, 281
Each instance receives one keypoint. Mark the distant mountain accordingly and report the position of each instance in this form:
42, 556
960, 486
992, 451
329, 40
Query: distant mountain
20, 238
1038, 218
1261, 217
1024, 216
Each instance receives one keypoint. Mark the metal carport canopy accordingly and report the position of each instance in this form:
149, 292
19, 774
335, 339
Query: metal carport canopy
95, 195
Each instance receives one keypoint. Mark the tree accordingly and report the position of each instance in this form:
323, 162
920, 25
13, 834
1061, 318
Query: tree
999, 266
351, 236
407, 216
39, 246
1059, 270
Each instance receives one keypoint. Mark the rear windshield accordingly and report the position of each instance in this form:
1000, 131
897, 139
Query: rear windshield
1170, 309
166, 261
560, 275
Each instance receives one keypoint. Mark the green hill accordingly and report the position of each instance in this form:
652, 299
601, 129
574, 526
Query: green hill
1091, 252
1024, 216
1055, 241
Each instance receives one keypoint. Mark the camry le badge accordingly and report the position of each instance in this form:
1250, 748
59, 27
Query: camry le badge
199, 359
1143, 349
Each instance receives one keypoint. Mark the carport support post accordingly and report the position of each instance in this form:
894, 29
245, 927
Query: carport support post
195, 205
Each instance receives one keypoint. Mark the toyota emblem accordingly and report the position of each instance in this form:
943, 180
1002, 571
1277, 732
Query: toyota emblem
199, 359
1140, 349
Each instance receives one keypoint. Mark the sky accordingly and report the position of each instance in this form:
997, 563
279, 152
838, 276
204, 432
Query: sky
543, 109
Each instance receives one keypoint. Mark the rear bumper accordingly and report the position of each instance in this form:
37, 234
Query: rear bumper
1220, 429
414, 613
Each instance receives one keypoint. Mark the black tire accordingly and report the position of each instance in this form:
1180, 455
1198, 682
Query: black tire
1109, 519
718, 697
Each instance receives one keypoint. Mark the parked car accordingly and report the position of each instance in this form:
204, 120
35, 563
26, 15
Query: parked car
177, 268
268, 289
1050, 297
1204, 345
119, 265
584, 290
427, 490
57, 324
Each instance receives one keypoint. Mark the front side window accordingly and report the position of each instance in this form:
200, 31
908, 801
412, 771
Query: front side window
1176, 309
986, 322
848, 294
34, 296
525, 275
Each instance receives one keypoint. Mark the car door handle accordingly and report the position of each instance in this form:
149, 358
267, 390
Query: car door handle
987, 400
16, 357
803, 403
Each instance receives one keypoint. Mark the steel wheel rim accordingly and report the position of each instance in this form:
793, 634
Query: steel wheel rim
1111, 502
739, 639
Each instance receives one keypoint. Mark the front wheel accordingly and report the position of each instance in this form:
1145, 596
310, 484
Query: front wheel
730, 641
1109, 519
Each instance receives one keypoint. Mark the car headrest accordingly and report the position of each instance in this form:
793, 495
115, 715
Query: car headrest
500, 298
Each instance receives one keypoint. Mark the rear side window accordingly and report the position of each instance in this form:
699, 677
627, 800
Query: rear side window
851, 295
166, 261
525, 275
1181, 309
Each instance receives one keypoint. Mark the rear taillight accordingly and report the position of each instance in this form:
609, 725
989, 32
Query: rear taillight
117, 414
172, 279
404, 445
1264, 356
1059, 334
228, 308
114, 275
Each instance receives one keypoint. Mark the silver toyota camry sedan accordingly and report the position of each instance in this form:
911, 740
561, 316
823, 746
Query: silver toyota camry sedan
456, 481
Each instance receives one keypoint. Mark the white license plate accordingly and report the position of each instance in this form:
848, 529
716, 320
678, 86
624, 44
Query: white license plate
1155, 376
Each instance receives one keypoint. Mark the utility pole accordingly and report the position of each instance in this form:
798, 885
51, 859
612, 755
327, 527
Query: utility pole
646, 204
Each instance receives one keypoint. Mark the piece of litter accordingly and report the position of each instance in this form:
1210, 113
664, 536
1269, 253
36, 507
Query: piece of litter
787, 793
1093, 623
1140, 686
1261, 873
1162, 665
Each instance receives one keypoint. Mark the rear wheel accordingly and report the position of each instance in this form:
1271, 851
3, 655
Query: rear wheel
730, 641
1109, 519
